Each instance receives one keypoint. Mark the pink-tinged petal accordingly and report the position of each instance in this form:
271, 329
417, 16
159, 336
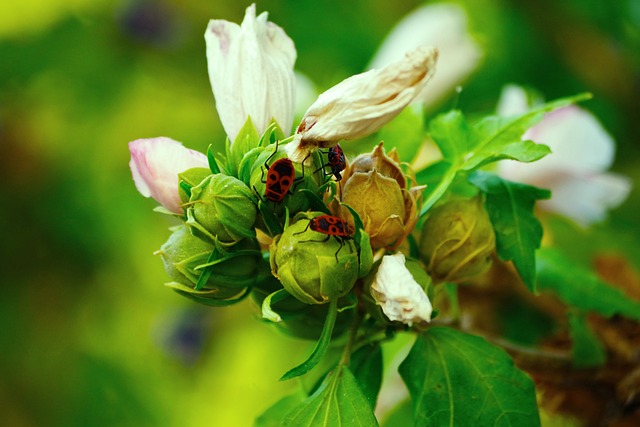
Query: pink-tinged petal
251, 72
577, 140
586, 199
443, 26
581, 151
155, 165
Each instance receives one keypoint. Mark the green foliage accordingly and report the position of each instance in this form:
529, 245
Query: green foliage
587, 350
466, 147
321, 346
246, 140
366, 365
580, 288
518, 232
337, 402
459, 379
273, 416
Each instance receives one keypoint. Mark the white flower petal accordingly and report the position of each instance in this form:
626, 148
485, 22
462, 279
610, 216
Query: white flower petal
581, 151
251, 72
586, 199
155, 165
576, 138
444, 26
396, 291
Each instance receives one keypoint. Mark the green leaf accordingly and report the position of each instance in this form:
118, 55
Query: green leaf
457, 379
273, 298
273, 416
518, 232
496, 138
207, 296
321, 346
315, 202
466, 147
213, 165
366, 365
363, 241
452, 134
587, 350
438, 177
246, 140
337, 402
269, 219
401, 415
581, 288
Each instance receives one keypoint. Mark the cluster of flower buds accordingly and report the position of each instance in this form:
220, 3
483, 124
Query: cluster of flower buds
317, 245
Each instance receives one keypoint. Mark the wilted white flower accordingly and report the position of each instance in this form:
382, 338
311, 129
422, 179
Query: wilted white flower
155, 165
396, 291
581, 152
443, 25
251, 72
362, 104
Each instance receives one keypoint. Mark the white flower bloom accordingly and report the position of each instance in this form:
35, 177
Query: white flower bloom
581, 152
362, 104
396, 291
443, 25
251, 72
155, 165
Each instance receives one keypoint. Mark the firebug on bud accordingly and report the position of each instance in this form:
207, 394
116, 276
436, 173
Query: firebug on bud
331, 226
280, 177
336, 161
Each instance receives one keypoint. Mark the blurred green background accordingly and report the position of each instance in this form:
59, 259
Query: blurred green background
89, 334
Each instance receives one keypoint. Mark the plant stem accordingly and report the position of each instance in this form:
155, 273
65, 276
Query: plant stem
353, 332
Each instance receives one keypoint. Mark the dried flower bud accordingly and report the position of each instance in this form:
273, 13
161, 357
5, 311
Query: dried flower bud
374, 185
305, 262
362, 104
396, 290
457, 241
222, 210
184, 255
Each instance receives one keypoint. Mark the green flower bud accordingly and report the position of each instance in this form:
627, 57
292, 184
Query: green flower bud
185, 258
192, 177
457, 241
222, 210
305, 262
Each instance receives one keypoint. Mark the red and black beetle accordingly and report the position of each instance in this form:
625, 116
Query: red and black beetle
331, 226
336, 161
280, 177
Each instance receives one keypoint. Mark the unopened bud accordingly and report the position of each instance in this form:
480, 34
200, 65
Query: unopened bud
312, 266
222, 209
457, 241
